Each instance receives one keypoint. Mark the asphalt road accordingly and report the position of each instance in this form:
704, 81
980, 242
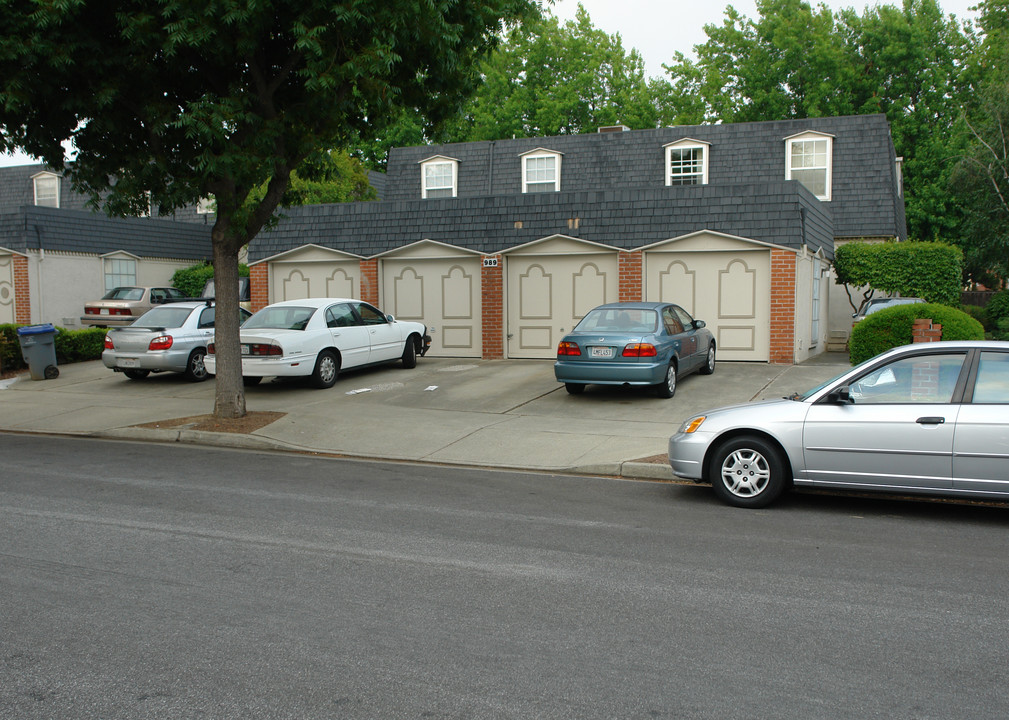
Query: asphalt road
167, 581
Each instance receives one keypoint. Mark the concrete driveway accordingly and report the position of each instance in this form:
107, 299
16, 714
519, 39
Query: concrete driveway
498, 413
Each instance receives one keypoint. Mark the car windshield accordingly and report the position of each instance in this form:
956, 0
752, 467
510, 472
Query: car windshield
280, 318
164, 316
124, 293
628, 320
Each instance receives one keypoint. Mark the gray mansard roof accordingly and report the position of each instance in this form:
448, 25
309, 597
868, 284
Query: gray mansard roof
613, 192
84, 231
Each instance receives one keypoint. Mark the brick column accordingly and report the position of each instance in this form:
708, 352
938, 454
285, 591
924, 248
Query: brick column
369, 281
629, 264
259, 286
923, 331
782, 306
22, 298
492, 307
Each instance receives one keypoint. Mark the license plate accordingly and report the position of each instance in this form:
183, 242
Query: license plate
600, 352
128, 362
245, 349
103, 311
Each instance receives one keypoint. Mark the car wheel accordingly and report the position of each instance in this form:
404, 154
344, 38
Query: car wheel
747, 472
136, 374
196, 371
327, 368
667, 388
410, 353
574, 388
250, 380
709, 364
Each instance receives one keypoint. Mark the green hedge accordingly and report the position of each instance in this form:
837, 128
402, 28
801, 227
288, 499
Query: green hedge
929, 270
998, 307
71, 346
891, 327
193, 279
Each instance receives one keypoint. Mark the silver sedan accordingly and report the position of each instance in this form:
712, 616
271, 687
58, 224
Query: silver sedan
930, 419
167, 338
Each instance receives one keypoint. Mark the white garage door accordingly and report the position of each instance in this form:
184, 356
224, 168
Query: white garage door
314, 272
6, 289
442, 293
727, 288
551, 285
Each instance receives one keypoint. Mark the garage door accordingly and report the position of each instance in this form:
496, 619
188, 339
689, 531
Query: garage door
441, 292
6, 289
551, 285
721, 280
313, 272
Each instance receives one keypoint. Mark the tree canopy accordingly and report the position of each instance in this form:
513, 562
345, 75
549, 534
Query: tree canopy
170, 101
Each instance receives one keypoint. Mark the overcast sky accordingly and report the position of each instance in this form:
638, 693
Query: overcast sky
658, 28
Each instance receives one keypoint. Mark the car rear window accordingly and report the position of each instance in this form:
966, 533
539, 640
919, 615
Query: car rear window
280, 318
124, 293
167, 317
633, 320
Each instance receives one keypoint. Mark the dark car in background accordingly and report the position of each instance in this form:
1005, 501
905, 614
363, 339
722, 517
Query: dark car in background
641, 343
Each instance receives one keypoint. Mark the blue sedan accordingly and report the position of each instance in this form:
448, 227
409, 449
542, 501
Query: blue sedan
650, 343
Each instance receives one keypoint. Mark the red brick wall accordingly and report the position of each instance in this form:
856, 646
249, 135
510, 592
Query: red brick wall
22, 301
630, 276
923, 331
369, 281
782, 306
492, 286
259, 286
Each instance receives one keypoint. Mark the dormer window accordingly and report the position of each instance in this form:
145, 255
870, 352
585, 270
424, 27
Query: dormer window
541, 171
687, 162
439, 177
47, 190
808, 159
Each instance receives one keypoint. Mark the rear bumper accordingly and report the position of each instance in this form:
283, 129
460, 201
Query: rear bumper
107, 320
609, 373
170, 360
266, 367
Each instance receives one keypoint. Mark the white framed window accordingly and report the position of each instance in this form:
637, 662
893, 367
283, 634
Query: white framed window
439, 177
808, 159
687, 162
120, 272
541, 171
47, 190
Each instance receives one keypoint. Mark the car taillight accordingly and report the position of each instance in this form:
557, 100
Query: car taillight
108, 343
640, 350
119, 311
261, 349
210, 348
568, 348
162, 342
90, 310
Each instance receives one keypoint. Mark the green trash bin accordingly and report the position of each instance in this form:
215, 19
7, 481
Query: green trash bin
38, 347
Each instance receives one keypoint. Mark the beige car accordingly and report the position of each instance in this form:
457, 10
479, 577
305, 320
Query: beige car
122, 305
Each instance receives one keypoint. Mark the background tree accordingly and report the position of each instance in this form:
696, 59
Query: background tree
170, 101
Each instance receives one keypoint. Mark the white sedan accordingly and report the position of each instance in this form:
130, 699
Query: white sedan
318, 337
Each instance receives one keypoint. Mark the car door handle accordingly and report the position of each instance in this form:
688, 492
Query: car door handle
930, 420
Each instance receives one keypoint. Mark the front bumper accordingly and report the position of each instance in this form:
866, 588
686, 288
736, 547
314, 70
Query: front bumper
610, 373
686, 454
173, 360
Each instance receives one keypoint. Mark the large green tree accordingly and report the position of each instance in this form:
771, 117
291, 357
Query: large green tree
169, 101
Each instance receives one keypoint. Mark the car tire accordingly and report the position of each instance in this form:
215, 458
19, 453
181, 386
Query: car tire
574, 388
195, 370
327, 369
709, 362
136, 374
667, 388
250, 380
410, 353
747, 472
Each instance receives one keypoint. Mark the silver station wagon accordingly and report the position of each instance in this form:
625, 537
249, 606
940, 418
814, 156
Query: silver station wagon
930, 419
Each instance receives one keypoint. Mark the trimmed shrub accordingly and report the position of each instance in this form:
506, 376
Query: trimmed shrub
191, 280
929, 270
71, 346
978, 313
998, 307
891, 327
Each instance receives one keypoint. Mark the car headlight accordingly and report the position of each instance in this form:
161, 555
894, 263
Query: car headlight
692, 424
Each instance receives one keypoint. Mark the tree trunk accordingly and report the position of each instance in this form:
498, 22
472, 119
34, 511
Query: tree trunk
229, 401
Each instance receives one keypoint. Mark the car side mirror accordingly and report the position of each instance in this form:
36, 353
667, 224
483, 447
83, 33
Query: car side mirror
390, 318
840, 396
698, 324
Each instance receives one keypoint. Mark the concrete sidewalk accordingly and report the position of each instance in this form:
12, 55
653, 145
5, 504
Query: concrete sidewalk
498, 413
